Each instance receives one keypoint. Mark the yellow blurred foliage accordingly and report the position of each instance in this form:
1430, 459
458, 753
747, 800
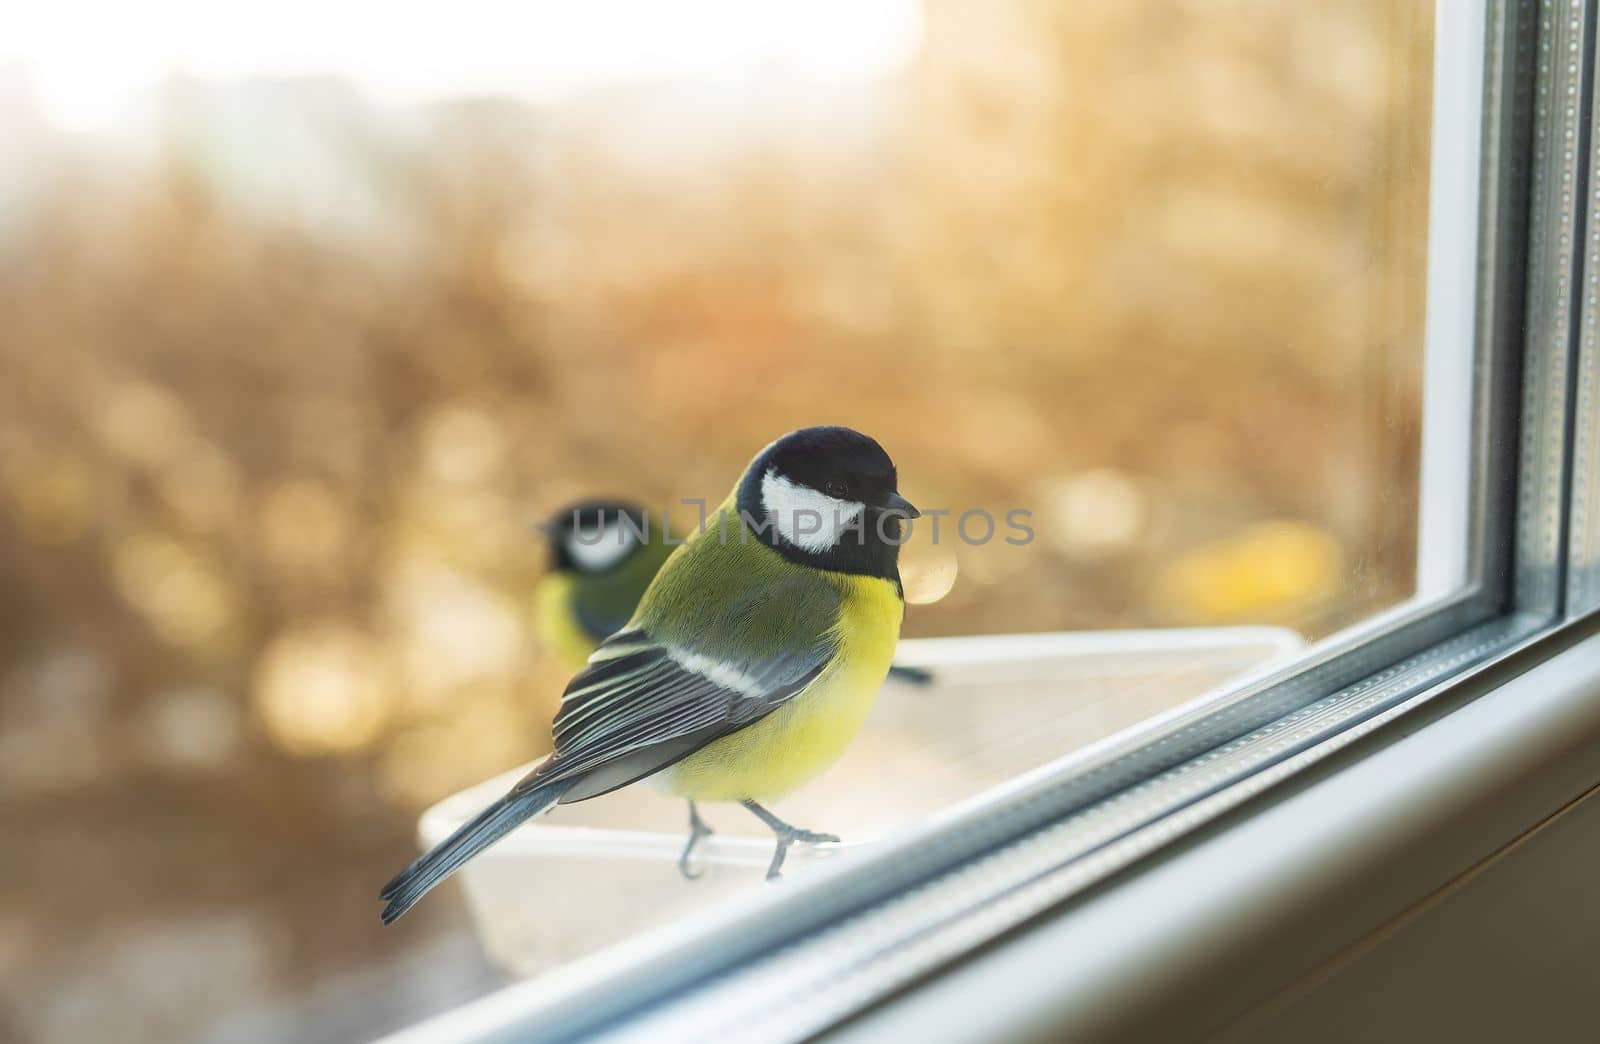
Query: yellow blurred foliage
1268, 573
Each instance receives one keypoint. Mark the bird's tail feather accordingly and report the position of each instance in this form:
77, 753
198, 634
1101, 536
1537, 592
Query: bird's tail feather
472, 837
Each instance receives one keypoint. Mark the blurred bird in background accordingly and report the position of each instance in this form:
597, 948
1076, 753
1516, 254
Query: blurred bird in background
748, 666
603, 554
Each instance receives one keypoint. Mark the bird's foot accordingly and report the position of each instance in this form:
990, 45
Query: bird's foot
786, 836
697, 830
792, 836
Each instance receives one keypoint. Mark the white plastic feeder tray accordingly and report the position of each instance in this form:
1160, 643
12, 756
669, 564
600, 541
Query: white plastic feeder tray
591, 873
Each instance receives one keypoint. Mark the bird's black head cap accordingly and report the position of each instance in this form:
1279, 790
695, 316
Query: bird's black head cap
827, 497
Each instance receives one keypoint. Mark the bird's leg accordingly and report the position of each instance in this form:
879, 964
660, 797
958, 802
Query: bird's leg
786, 835
697, 830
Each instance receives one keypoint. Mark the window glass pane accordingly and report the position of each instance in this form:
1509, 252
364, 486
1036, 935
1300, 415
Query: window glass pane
311, 314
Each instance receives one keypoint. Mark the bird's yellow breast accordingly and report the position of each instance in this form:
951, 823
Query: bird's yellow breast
786, 748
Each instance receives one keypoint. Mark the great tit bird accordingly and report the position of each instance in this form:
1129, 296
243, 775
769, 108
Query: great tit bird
603, 554
748, 666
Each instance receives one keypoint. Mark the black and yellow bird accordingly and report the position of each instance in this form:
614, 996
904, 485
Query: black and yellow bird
748, 666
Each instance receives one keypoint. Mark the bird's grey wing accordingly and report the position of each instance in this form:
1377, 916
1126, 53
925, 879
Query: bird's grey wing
642, 704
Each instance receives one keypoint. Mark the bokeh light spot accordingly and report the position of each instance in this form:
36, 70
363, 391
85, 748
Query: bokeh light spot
449, 629
927, 569
1095, 511
185, 598
144, 423
462, 444
303, 525
322, 691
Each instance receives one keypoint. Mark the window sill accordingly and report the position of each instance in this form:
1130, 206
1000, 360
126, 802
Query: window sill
1226, 921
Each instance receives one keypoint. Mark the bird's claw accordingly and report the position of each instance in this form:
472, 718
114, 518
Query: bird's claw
785, 834
683, 867
811, 837
790, 836
697, 830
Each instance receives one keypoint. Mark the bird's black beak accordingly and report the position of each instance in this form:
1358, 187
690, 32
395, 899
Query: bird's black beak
900, 505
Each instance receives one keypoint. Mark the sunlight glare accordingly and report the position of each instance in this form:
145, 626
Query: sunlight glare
86, 60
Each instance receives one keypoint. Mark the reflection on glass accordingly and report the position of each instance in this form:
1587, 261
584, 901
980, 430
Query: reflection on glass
303, 332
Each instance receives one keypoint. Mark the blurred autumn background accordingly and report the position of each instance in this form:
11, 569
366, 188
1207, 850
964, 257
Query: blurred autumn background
294, 349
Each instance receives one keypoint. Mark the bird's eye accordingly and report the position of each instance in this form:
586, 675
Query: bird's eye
834, 489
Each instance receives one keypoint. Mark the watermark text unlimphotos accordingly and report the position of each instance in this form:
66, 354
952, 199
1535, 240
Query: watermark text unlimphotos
974, 526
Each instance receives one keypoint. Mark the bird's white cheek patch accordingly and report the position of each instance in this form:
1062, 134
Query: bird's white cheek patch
595, 548
809, 520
